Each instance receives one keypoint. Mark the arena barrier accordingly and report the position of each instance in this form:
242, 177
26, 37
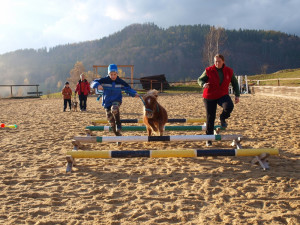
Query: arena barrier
188, 120
260, 154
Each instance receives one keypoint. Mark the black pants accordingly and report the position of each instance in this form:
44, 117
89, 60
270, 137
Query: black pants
82, 101
211, 107
66, 101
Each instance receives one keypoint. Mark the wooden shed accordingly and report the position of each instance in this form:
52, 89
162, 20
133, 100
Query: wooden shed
158, 82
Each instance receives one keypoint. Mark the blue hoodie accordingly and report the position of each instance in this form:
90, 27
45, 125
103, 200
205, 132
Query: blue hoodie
112, 90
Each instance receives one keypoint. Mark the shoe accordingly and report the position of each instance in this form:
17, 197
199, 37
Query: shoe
223, 123
64, 110
208, 143
118, 128
118, 134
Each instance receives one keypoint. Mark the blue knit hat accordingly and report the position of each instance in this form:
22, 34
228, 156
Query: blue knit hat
112, 68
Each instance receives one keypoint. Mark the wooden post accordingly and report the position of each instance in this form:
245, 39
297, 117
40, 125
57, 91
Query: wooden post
278, 84
11, 91
131, 76
247, 87
150, 84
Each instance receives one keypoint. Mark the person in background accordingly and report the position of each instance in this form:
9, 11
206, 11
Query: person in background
67, 94
112, 86
83, 90
216, 80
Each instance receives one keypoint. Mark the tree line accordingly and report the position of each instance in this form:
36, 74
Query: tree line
180, 52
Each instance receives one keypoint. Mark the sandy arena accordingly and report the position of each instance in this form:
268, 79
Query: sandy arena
35, 188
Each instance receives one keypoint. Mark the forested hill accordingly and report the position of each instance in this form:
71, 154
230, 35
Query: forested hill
176, 52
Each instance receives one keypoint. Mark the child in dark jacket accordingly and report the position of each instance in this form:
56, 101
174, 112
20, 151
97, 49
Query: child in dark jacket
112, 86
67, 94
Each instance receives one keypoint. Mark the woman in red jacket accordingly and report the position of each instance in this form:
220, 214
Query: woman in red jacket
215, 80
83, 90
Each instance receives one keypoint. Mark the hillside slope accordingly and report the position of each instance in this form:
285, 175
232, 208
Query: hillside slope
176, 52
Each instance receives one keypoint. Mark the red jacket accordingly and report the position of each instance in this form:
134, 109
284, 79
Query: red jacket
216, 90
83, 87
67, 92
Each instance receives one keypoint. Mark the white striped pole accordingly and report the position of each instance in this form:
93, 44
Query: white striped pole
94, 139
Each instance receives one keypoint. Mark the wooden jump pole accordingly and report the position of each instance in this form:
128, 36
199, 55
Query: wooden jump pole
188, 120
171, 153
260, 155
94, 139
143, 128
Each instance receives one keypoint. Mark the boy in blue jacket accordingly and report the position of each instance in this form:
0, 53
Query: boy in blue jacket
112, 86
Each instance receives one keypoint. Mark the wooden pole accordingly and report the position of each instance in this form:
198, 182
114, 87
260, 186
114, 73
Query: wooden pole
131, 68
106, 154
218, 137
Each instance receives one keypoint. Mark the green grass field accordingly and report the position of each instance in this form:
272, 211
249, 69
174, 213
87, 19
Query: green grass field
279, 75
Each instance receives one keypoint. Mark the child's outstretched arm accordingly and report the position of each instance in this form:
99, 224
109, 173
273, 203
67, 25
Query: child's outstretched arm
131, 92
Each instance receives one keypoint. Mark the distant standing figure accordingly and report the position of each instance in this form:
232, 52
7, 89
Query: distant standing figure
83, 90
67, 94
215, 80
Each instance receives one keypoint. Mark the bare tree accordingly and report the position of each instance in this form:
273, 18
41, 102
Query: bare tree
214, 41
75, 74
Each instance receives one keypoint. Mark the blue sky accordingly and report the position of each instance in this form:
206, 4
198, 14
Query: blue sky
47, 23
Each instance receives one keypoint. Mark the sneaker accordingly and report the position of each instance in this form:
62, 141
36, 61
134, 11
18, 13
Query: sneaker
118, 128
223, 123
208, 143
118, 134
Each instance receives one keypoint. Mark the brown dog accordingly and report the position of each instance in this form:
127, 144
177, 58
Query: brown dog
155, 116
74, 105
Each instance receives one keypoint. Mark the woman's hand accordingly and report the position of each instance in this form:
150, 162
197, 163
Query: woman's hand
206, 85
237, 100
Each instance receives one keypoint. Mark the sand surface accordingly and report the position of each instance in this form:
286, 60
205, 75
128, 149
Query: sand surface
35, 188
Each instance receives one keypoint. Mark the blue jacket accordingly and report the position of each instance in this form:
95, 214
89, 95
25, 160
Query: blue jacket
112, 90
